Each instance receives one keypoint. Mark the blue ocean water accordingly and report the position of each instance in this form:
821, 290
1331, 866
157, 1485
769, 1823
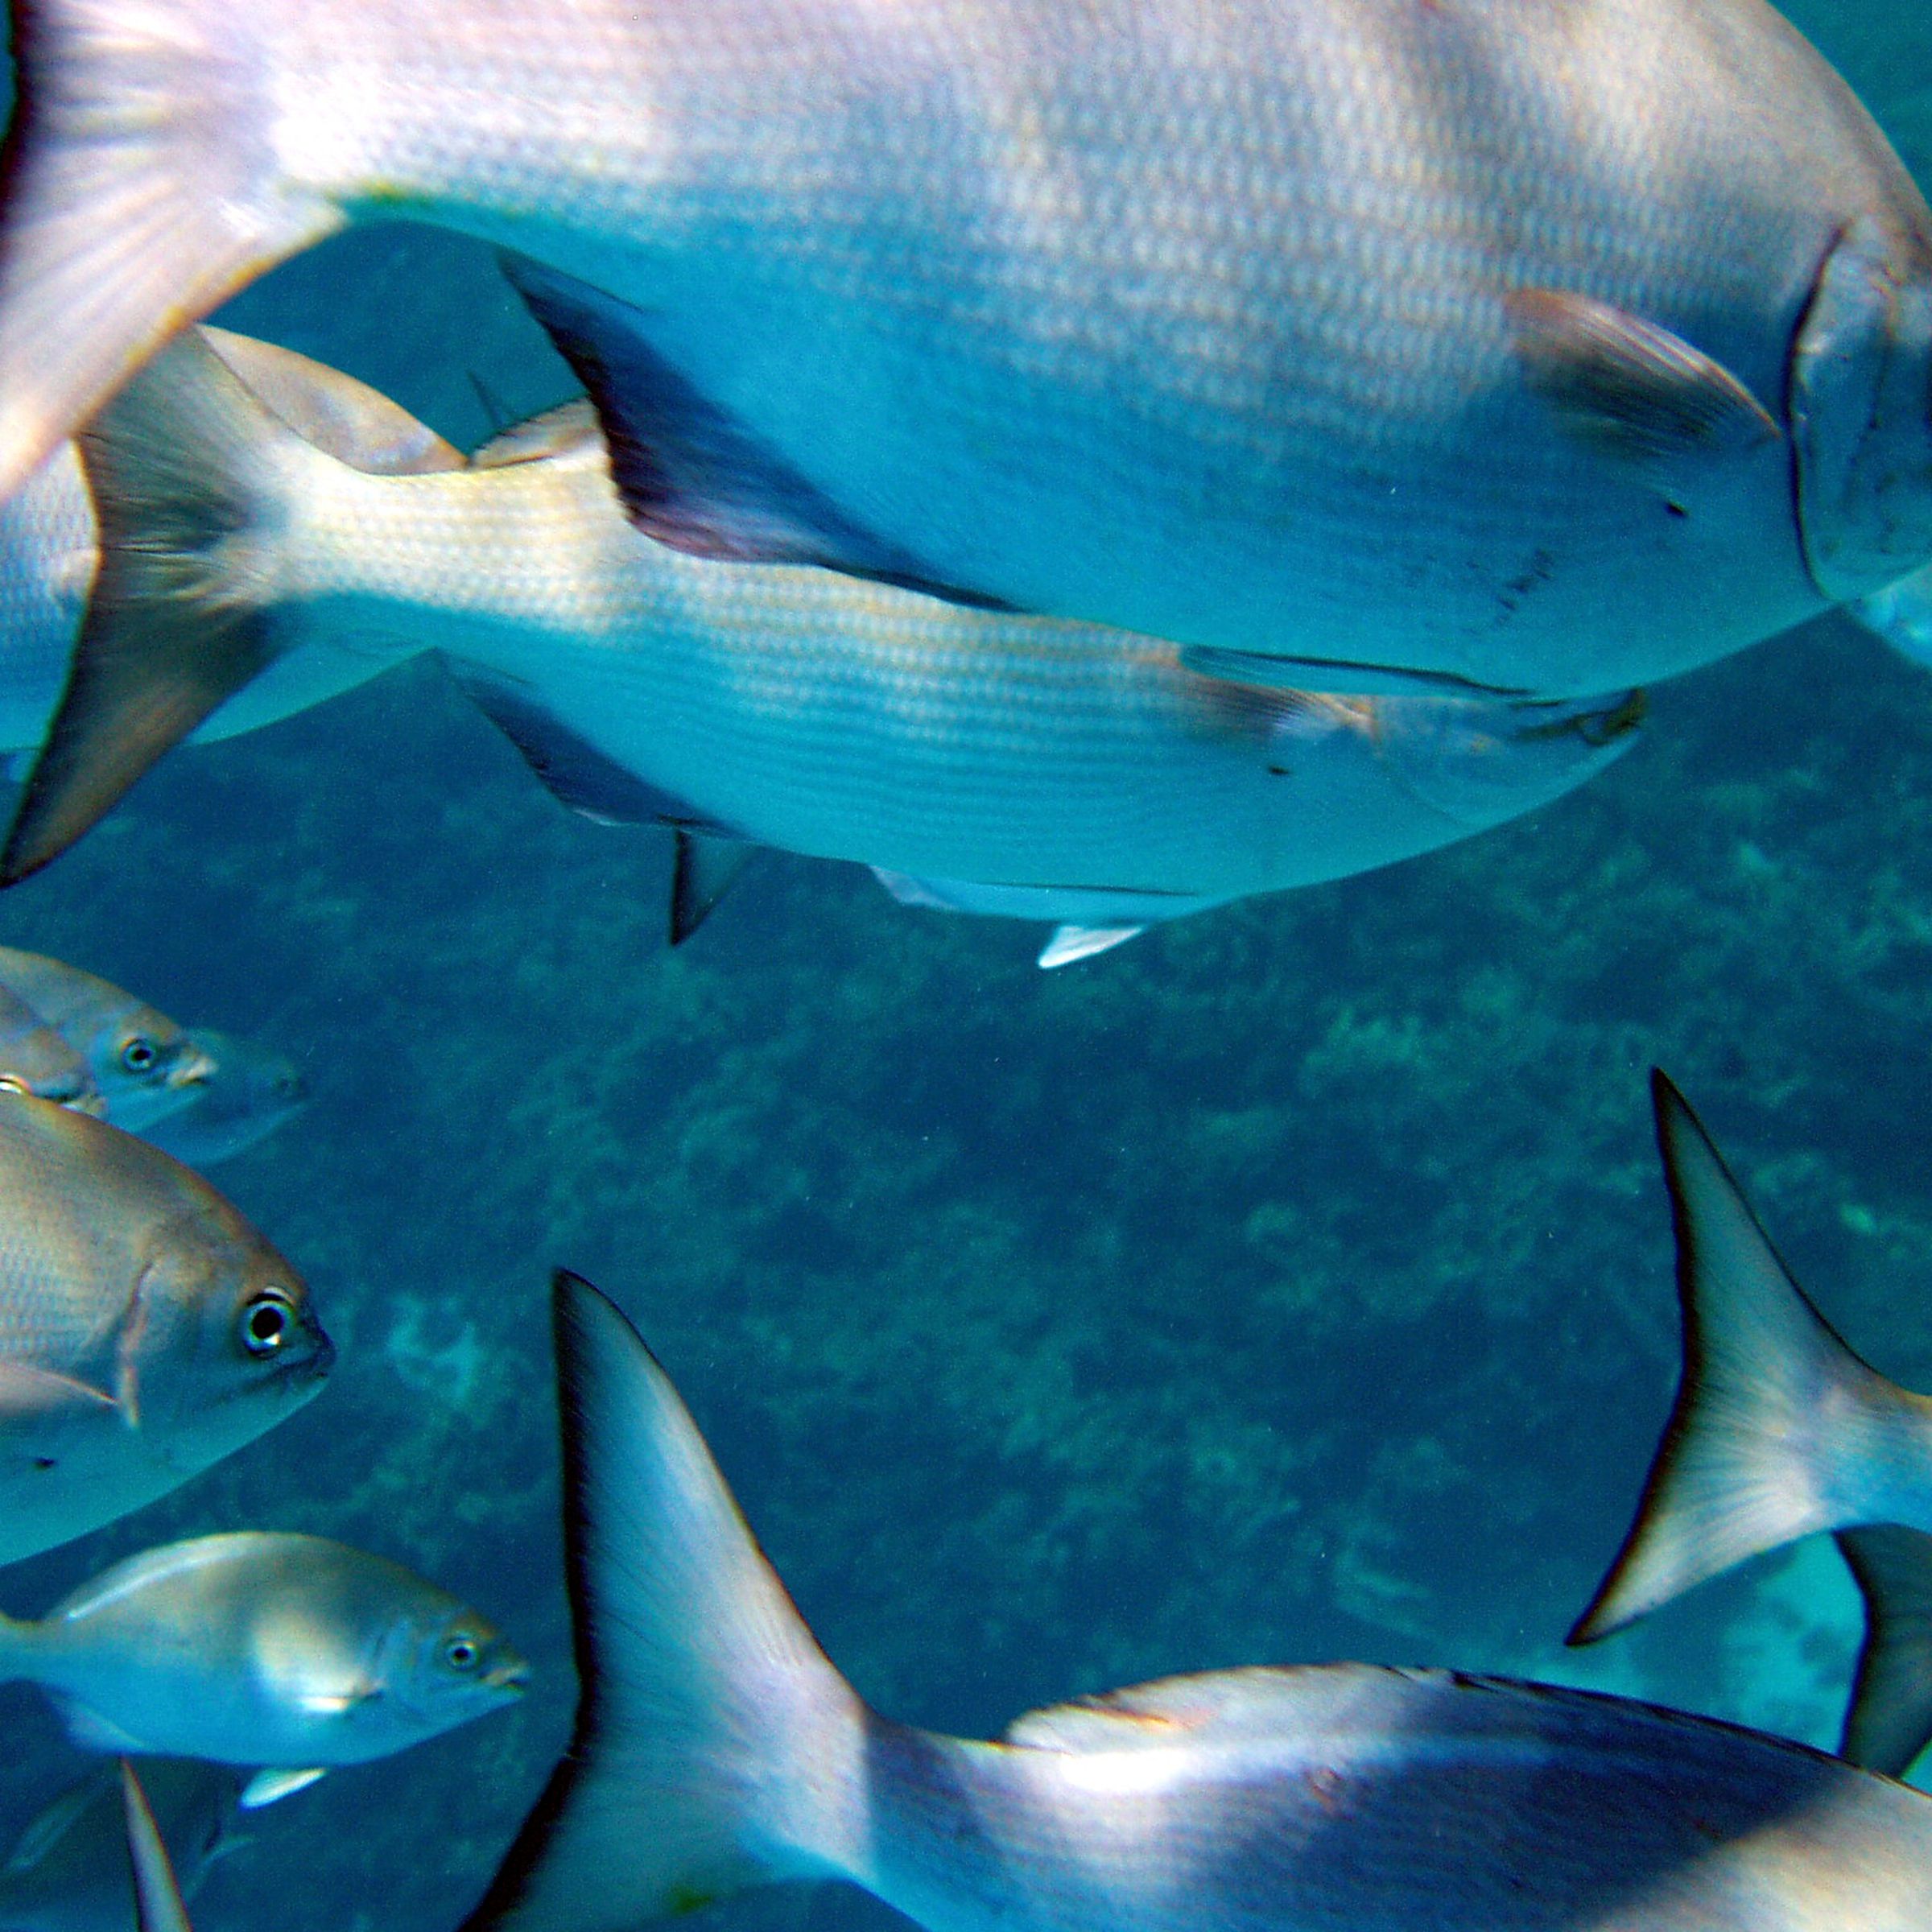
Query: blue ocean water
1294, 1284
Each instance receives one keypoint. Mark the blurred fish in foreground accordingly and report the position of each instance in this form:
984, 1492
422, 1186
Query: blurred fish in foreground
1050, 771
289, 1652
36, 1059
158, 1905
69, 1870
1778, 1431
717, 1749
145, 1329
1544, 348
249, 1091
143, 1063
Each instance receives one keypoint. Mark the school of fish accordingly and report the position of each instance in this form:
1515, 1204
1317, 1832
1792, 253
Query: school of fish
1088, 461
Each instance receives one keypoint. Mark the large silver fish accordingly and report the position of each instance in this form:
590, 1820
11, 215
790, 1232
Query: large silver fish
1548, 346
717, 1749
145, 1329
142, 1063
286, 1651
1779, 1431
249, 1091
68, 1870
1049, 769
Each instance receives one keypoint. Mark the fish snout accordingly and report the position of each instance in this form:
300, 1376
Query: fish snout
510, 1676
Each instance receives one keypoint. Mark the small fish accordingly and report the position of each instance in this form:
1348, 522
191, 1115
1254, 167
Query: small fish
1544, 348
1779, 1431
249, 1091
143, 1063
35, 1059
145, 1329
717, 1749
68, 1870
1003, 763
289, 1652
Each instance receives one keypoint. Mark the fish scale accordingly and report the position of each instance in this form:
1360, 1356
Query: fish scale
1185, 316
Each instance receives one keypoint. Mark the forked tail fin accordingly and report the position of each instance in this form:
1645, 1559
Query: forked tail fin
716, 1749
1776, 1418
158, 1906
193, 470
140, 188
1888, 1721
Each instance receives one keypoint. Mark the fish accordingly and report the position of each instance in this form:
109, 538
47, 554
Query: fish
253, 1648
68, 1870
249, 1092
33, 1059
1779, 1431
717, 1749
146, 1330
1004, 763
143, 1064
1547, 349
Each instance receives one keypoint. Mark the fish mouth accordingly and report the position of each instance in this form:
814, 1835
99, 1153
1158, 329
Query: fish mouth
509, 1678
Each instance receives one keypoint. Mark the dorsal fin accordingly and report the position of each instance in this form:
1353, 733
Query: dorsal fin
158, 1903
342, 417
691, 476
569, 427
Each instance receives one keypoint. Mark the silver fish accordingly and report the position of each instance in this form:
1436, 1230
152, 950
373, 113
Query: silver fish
1068, 773
68, 1870
249, 1091
286, 1651
145, 1329
717, 1749
143, 1063
1779, 1431
35, 1059
1547, 347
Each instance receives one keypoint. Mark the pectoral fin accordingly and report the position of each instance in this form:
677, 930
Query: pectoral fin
1627, 389
30, 1395
1889, 1720
271, 1786
691, 476
1072, 942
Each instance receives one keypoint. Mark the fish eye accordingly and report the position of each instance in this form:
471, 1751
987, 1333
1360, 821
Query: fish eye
461, 1653
266, 1322
139, 1055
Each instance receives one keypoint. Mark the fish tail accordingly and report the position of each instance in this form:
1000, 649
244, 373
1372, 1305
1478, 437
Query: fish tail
140, 188
1775, 1416
191, 478
1888, 1721
716, 1748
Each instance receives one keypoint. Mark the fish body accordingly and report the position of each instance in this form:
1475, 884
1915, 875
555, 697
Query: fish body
1004, 762
717, 1749
39, 1060
145, 1329
68, 1871
48, 556
248, 1092
260, 1648
1548, 348
143, 1063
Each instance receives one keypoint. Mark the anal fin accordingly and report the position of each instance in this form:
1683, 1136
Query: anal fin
1888, 1721
691, 476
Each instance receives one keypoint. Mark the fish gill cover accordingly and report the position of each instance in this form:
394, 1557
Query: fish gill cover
1294, 1284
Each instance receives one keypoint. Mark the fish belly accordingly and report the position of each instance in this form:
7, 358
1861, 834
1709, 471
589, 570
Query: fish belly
1186, 318
1548, 1812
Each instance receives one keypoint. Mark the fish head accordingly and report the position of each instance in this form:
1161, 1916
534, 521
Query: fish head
228, 1342
146, 1065
1861, 405
1478, 762
250, 1092
446, 1664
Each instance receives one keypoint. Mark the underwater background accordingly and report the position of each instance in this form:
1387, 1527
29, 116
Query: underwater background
1294, 1284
